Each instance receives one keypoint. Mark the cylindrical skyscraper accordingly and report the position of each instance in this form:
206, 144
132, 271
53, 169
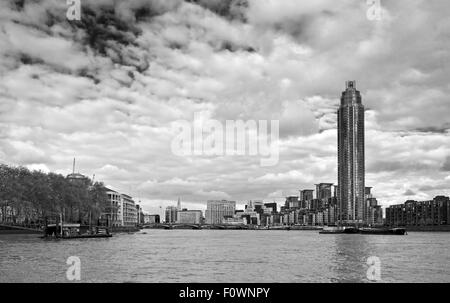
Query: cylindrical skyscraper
351, 157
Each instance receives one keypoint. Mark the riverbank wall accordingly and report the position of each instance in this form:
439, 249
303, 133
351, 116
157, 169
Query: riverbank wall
5, 229
439, 228
124, 229
17, 230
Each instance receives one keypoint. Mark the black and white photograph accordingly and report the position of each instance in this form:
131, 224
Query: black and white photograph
243, 142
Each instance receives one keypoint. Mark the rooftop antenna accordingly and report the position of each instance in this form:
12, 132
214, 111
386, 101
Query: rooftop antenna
73, 169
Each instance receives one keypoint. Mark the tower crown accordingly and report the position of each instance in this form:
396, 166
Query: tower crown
350, 84
350, 96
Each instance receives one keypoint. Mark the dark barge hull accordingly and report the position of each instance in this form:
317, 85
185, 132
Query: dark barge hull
373, 231
340, 231
331, 232
383, 231
79, 237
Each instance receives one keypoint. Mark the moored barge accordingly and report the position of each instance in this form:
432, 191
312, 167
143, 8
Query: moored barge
383, 231
74, 231
365, 231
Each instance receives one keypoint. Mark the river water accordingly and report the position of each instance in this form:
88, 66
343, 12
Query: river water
156, 255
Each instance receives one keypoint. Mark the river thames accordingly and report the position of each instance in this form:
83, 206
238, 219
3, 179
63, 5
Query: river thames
154, 255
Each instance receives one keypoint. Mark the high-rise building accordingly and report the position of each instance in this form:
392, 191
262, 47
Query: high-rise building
171, 214
368, 192
324, 191
306, 195
351, 196
272, 206
216, 210
189, 216
292, 202
254, 204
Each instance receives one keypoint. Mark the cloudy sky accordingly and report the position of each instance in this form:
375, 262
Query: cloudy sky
108, 88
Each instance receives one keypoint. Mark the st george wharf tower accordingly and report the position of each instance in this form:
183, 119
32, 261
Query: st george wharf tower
350, 191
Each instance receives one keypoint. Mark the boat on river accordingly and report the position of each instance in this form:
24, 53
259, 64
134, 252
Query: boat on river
363, 230
383, 231
339, 230
74, 231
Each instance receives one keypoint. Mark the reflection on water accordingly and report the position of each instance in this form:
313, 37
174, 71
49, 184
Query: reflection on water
350, 256
228, 256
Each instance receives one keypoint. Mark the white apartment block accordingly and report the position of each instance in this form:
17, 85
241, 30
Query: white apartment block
121, 209
216, 210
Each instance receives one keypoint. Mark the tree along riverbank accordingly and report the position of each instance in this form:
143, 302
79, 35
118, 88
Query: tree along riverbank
34, 197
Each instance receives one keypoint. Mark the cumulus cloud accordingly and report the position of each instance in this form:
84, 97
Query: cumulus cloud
107, 89
409, 193
446, 165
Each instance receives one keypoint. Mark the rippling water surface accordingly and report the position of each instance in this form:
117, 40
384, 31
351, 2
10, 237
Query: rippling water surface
228, 256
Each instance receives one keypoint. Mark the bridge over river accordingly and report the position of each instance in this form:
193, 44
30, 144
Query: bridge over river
195, 226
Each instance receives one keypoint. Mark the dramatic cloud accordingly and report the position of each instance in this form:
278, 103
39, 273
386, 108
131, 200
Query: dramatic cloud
108, 88
446, 165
